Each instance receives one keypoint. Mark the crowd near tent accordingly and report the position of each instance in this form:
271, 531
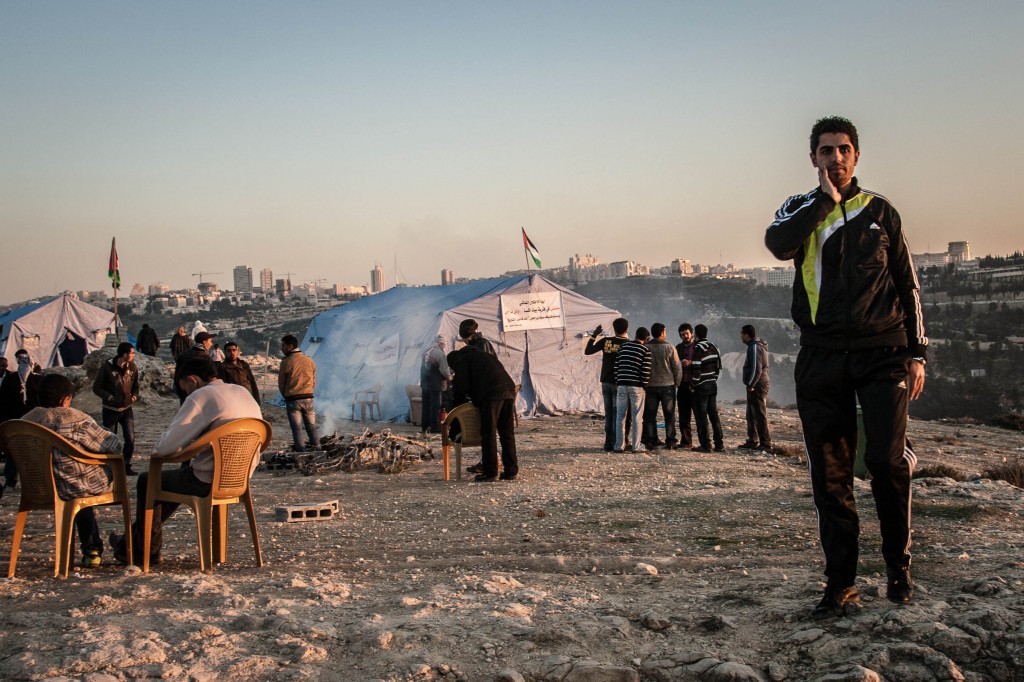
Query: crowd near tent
538, 328
57, 332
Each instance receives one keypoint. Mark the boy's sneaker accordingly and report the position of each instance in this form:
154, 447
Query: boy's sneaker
92, 559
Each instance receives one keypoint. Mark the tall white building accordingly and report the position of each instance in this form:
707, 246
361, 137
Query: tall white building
243, 279
267, 280
447, 277
377, 281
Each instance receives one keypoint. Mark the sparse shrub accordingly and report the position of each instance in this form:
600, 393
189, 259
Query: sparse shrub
939, 470
1011, 471
1010, 420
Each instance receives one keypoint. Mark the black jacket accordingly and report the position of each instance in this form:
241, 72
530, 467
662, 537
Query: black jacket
479, 377
855, 284
118, 388
608, 347
147, 342
240, 374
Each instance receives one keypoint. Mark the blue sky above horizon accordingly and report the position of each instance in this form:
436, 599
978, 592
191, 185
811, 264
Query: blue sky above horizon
321, 137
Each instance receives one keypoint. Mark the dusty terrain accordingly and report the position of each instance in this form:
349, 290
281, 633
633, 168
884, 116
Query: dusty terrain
668, 566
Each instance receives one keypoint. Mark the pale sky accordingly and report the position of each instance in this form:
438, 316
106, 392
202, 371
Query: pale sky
318, 138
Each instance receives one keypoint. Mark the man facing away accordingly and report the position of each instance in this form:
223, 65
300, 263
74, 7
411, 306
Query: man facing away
666, 373
434, 377
684, 396
632, 372
117, 385
705, 367
756, 385
855, 299
201, 349
235, 370
297, 381
480, 378
148, 342
72, 478
608, 347
209, 403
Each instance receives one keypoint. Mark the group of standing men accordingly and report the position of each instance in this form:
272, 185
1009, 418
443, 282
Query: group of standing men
640, 375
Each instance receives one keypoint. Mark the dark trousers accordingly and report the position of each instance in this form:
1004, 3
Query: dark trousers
173, 479
705, 409
88, 530
126, 420
684, 406
430, 410
608, 393
757, 415
828, 387
665, 397
498, 422
10, 472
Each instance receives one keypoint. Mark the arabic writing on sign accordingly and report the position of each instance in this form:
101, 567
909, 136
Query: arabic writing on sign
540, 310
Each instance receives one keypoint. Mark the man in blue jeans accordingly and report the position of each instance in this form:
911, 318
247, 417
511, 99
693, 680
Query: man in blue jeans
297, 381
608, 347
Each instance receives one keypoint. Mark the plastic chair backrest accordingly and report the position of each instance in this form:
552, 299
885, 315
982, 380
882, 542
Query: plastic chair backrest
235, 445
468, 417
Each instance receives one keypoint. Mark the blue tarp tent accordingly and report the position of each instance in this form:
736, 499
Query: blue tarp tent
59, 331
538, 328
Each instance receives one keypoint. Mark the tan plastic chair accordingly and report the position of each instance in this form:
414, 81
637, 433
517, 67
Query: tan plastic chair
234, 444
31, 445
469, 422
368, 398
415, 395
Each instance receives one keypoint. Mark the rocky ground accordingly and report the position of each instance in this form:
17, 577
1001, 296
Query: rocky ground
591, 567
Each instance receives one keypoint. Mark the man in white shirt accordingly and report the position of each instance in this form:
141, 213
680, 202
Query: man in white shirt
209, 403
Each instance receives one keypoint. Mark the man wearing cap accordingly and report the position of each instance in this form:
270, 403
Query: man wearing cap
201, 349
235, 370
117, 385
434, 377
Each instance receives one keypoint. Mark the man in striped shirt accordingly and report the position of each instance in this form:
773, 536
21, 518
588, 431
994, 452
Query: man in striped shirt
705, 367
632, 372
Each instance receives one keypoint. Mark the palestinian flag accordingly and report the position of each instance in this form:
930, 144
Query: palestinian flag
532, 252
112, 272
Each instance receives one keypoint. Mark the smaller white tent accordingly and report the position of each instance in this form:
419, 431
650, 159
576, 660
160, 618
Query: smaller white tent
57, 332
537, 327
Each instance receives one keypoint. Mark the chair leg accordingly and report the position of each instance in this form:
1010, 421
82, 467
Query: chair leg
458, 461
220, 533
446, 462
204, 526
250, 511
127, 513
64, 517
147, 535
19, 529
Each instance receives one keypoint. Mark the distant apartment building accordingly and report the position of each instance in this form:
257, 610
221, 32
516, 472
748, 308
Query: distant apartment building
681, 267
266, 280
138, 291
283, 287
447, 277
378, 283
959, 252
158, 288
348, 291
773, 277
930, 260
242, 279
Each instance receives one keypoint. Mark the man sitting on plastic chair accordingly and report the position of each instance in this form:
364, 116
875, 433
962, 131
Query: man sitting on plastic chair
74, 479
209, 403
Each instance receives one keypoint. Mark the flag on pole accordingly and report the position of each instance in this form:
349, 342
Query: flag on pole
532, 252
112, 272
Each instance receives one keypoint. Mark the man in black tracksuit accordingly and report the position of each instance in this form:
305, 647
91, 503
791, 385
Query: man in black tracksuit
608, 347
481, 379
855, 298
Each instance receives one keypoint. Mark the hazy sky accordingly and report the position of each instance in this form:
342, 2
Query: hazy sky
320, 137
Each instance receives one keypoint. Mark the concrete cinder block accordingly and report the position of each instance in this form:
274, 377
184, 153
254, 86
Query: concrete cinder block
294, 513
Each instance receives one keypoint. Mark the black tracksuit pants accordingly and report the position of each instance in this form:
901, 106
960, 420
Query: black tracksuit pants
498, 422
829, 384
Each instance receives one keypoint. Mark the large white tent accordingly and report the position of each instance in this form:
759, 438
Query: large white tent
537, 327
57, 332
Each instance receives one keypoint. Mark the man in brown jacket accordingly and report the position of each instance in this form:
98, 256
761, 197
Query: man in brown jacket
297, 381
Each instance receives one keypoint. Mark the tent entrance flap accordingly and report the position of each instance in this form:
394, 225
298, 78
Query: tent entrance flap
72, 349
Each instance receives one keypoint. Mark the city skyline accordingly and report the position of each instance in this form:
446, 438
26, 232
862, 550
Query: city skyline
325, 138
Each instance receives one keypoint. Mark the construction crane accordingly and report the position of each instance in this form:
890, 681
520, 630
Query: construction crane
201, 273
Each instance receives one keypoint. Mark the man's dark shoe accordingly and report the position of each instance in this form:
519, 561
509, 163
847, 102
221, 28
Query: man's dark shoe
701, 448
508, 477
476, 468
765, 446
836, 602
484, 478
130, 472
899, 588
749, 445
